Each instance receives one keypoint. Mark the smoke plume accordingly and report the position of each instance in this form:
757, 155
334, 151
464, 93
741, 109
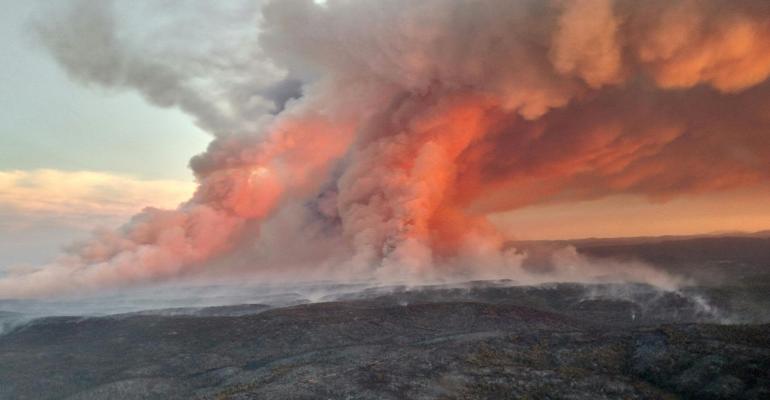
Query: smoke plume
370, 139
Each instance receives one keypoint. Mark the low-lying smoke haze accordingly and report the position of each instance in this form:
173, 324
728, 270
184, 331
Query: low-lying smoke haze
371, 140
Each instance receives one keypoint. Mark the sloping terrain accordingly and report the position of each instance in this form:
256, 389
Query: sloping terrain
478, 340
388, 348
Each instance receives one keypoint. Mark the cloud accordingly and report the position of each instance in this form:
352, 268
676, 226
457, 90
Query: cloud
226, 85
48, 193
42, 211
416, 121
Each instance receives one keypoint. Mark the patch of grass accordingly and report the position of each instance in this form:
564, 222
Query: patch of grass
231, 391
281, 370
487, 356
538, 356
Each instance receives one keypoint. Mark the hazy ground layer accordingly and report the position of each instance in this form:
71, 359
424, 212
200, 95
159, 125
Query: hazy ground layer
477, 340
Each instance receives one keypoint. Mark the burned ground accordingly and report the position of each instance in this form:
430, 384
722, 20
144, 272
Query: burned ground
399, 345
478, 340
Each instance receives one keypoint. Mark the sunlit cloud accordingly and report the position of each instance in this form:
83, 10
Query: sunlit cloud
43, 211
48, 193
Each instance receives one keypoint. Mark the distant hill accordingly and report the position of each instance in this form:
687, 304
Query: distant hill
709, 259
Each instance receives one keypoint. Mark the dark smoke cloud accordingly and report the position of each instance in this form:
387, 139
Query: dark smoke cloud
222, 82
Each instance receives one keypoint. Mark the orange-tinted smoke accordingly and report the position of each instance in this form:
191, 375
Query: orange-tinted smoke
421, 117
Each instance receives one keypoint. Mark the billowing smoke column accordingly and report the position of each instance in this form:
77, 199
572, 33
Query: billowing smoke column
415, 120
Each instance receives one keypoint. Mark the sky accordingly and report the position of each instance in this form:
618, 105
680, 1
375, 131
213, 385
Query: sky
49, 121
371, 134
52, 125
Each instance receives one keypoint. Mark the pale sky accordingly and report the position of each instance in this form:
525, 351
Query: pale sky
48, 122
